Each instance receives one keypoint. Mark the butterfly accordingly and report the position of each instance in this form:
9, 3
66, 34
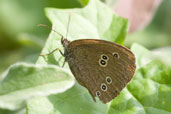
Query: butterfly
103, 67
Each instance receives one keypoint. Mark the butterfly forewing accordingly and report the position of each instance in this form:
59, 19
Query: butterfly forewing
103, 67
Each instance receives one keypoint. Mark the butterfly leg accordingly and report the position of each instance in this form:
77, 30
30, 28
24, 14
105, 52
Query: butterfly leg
63, 63
57, 49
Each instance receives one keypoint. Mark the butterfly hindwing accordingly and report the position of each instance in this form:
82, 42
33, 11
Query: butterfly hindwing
103, 67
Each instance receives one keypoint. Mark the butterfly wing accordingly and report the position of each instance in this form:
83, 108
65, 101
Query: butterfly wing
103, 67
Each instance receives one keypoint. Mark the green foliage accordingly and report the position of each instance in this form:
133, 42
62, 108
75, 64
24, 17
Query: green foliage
84, 2
149, 38
84, 24
149, 91
94, 21
18, 28
74, 101
49, 89
22, 81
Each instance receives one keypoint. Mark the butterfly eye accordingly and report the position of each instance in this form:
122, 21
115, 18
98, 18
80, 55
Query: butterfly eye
116, 55
108, 80
98, 93
103, 87
104, 57
103, 63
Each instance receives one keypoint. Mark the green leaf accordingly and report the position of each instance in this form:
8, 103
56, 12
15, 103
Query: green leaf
40, 105
148, 92
149, 38
143, 56
19, 111
18, 17
96, 20
110, 2
83, 2
150, 89
22, 81
74, 101
163, 54
30, 40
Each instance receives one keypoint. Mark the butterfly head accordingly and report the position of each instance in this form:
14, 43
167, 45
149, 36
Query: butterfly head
64, 42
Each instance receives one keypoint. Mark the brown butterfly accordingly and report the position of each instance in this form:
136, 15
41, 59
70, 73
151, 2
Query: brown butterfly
103, 67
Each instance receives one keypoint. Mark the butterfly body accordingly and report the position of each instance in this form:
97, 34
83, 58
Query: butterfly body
103, 67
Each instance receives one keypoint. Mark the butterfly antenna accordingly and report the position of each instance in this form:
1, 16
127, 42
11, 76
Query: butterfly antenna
69, 18
42, 25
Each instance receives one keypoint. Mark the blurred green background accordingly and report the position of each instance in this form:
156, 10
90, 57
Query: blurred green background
22, 40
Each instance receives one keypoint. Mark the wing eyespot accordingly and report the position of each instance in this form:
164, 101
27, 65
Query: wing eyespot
104, 57
103, 87
98, 93
108, 80
116, 55
102, 63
